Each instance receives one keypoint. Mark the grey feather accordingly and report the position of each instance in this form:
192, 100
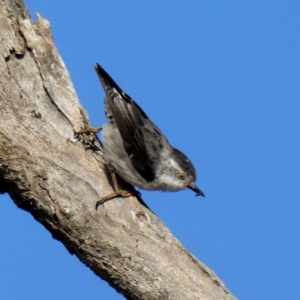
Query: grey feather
138, 151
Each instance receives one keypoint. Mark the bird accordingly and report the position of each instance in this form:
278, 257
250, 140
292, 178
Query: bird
136, 149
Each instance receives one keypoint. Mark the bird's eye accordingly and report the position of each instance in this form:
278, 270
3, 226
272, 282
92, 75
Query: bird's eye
181, 176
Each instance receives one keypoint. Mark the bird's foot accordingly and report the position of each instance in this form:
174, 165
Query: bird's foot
88, 138
119, 193
90, 129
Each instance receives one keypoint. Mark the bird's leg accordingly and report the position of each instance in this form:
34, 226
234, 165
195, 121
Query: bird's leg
87, 136
90, 129
118, 191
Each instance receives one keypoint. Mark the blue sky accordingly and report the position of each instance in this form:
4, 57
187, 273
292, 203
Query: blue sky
222, 80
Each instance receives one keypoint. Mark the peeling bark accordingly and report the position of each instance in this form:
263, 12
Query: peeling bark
49, 173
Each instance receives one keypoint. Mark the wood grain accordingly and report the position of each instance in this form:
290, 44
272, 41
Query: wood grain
51, 174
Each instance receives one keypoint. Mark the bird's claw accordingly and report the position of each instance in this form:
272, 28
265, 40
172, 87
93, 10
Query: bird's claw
119, 193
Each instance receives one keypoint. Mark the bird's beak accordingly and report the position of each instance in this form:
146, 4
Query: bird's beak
194, 188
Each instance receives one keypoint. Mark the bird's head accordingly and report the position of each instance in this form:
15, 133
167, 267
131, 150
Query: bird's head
178, 173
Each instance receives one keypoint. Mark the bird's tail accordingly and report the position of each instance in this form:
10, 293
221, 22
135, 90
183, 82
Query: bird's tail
108, 83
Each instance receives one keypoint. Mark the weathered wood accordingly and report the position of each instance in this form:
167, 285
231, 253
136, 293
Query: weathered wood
49, 173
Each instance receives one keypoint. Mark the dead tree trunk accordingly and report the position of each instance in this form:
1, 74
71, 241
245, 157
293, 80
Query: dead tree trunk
47, 172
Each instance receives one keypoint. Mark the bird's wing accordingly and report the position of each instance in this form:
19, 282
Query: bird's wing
143, 141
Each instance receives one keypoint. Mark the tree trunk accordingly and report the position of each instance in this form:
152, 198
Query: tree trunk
58, 179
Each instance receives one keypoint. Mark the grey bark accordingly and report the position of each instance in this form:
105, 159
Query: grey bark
49, 173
